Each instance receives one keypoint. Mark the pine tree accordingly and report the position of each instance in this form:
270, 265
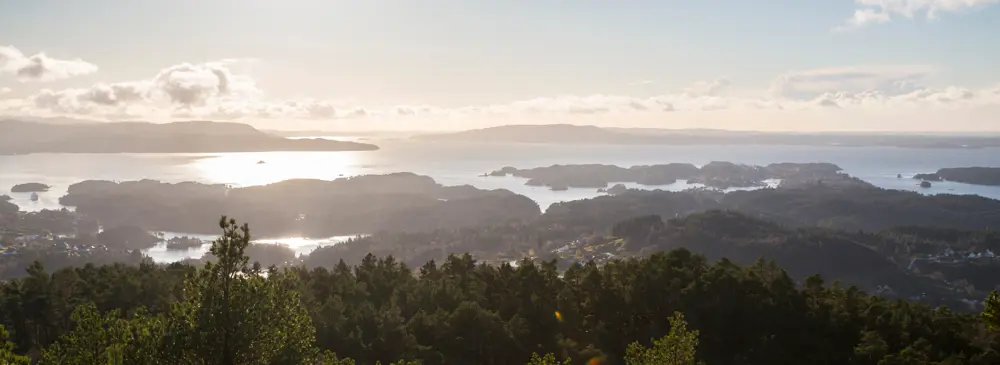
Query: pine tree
676, 348
991, 313
236, 314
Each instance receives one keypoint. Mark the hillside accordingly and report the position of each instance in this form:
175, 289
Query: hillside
18, 137
588, 134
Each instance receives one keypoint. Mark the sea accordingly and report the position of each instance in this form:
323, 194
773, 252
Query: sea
463, 163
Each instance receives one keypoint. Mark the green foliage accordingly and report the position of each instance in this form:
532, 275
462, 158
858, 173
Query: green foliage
871, 349
233, 314
107, 338
230, 314
461, 311
991, 311
7, 355
676, 348
548, 359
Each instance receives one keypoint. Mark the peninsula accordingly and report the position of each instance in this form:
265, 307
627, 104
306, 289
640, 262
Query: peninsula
20, 137
968, 175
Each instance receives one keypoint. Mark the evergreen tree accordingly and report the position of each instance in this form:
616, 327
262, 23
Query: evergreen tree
678, 347
236, 314
991, 312
108, 339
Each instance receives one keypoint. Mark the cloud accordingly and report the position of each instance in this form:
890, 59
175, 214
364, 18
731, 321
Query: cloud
640, 83
218, 91
708, 88
41, 67
209, 86
4, 90
887, 79
115, 94
193, 84
883, 11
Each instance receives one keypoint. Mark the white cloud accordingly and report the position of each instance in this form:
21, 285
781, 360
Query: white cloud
4, 90
882, 11
41, 67
214, 91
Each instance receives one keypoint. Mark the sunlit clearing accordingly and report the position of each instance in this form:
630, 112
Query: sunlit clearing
261, 168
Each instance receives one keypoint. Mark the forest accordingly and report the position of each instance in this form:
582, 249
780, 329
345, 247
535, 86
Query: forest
671, 307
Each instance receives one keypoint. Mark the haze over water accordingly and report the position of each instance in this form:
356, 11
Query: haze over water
458, 163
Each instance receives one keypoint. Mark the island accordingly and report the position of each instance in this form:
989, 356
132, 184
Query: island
968, 175
300, 207
716, 174
32, 187
614, 190
21, 137
183, 243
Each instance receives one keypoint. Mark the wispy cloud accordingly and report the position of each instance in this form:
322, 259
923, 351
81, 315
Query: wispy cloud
640, 83
4, 90
41, 67
889, 79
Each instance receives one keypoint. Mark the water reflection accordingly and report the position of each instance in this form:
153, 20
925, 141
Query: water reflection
300, 245
261, 168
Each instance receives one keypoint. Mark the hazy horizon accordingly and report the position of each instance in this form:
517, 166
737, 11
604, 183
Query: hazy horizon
924, 66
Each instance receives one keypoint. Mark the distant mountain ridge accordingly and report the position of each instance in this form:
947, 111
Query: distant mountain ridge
588, 134
19, 137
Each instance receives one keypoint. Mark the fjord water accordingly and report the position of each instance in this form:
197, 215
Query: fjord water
458, 163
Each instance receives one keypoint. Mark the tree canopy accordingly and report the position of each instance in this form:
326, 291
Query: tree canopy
671, 308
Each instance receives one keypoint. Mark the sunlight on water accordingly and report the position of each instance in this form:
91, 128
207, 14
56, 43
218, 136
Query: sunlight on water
300, 245
261, 168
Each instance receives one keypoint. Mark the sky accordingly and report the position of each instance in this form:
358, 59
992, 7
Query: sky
816, 65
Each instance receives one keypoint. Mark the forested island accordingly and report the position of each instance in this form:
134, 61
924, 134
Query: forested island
19, 137
306, 208
716, 174
968, 175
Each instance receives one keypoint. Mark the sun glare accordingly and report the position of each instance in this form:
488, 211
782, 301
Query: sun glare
262, 168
